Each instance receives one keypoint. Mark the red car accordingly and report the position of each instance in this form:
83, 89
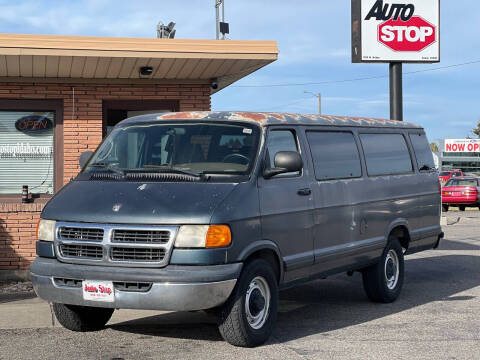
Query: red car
461, 192
444, 176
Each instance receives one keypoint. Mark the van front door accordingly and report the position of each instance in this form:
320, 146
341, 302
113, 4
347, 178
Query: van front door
286, 206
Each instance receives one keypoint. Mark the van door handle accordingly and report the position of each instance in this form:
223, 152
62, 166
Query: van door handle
304, 192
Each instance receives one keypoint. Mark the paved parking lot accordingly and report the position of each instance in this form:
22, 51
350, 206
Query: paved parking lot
436, 317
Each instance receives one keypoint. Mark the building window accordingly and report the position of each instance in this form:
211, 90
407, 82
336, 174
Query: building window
27, 151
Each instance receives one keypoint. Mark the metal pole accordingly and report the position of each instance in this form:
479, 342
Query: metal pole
396, 91
223, 16
217, 18
319, 103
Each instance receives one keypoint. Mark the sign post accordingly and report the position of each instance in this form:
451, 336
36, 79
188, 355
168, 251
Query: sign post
404, 31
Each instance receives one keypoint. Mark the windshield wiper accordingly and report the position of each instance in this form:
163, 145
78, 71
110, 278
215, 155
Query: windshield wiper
175, 170
108, 166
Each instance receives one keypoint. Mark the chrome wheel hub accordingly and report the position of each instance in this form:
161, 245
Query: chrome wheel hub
257, 302
392, 269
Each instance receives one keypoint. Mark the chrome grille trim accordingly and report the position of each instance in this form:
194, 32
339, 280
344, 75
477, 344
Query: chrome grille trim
79, 233
140, 236
83, 251
136, 254
137, 245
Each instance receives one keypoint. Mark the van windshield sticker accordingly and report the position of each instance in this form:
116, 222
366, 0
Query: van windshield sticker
247, 131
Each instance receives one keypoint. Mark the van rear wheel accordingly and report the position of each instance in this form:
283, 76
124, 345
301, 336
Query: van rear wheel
248, 316
445, 208
383, 281
82, 318
462, 208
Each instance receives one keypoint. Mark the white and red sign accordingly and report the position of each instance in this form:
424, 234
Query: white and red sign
396, 30
462, 145
98, 290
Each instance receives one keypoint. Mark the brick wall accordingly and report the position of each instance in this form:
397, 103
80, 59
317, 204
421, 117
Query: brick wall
17, 235
82, 131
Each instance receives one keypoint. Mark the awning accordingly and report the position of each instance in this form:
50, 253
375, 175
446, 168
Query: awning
81, 57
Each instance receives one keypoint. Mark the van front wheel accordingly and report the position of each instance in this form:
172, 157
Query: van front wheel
248, 316
81, 318
383, 281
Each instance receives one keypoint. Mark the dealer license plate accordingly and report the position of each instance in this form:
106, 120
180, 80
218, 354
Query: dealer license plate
456, 193
98, 290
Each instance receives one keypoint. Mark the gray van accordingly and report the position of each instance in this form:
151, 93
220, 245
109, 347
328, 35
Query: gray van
218, 211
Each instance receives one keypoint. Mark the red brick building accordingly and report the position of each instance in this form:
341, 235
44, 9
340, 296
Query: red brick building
59, 95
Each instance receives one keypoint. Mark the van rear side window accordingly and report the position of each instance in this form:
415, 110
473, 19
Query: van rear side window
386, 154
335, 155
422, 150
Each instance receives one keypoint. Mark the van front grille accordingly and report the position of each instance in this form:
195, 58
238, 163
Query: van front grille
114, 244
141, 236
137, 254
81, 251
77, 233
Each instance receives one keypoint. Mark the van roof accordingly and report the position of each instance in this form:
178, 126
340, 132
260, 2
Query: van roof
269, 118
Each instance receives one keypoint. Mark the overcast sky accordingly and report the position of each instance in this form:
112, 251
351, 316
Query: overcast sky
314, 41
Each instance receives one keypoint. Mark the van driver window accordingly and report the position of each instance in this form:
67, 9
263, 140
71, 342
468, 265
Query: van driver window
280, 140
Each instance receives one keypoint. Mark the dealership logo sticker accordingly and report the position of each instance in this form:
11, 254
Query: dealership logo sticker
98, 290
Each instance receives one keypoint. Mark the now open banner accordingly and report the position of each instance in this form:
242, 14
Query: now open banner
396, 31
462, 145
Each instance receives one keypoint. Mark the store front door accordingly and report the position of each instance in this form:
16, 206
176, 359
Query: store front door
115, 111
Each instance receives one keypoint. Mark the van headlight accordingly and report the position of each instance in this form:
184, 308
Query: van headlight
203, 236
46, 230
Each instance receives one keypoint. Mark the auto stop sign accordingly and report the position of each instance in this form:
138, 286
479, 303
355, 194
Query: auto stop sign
391, 31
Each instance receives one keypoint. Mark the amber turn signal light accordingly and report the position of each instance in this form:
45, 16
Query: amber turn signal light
36, 230
218, 236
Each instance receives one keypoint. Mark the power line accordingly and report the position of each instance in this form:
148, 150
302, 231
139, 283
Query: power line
288, 104
357, 79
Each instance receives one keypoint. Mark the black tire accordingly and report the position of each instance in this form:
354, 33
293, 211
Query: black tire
462, 208
445, 208
82, 318
375, 276
232, 316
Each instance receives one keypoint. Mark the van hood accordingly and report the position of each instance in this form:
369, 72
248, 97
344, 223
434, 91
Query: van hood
136, 202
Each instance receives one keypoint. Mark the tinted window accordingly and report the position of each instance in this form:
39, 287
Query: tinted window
445, 173
280, 140
386, 154
462, 182
422, 150
335, 155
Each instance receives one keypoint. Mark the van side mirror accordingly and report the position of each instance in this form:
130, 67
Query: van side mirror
285, 162
84, 157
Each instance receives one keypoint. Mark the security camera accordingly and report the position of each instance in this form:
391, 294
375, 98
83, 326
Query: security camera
214, 83
146, 70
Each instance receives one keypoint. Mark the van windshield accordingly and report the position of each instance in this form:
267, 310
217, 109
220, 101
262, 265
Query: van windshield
191, 149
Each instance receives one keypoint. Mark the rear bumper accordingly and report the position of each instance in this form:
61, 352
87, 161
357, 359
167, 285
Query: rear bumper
177, 288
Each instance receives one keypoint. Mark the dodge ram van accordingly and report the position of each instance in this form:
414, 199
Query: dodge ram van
218, 211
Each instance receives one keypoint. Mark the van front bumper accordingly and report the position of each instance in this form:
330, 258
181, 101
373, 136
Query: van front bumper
174, 287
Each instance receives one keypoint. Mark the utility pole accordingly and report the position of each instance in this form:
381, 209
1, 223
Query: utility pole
319, 97
221, 26
396, 91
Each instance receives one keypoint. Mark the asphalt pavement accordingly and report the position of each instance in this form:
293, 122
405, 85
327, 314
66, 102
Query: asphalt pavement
436, 317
